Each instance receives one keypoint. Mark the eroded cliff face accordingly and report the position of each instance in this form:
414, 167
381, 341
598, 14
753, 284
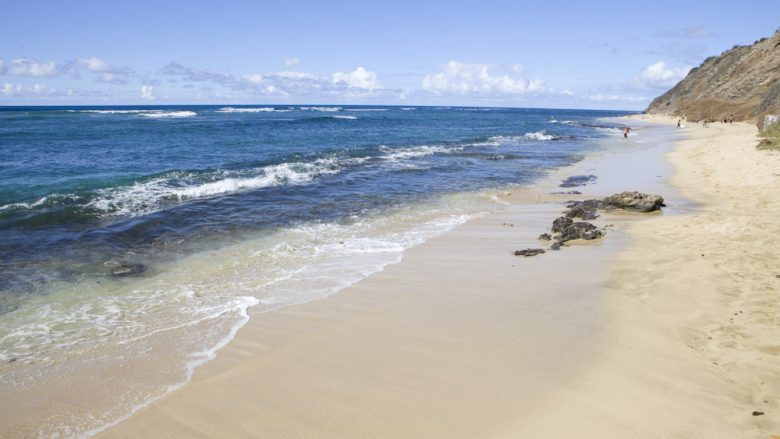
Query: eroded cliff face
743, 81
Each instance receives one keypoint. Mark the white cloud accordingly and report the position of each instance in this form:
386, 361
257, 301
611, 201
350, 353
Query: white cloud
27, 67
105, 71
9, 89
476, 79
147, 92
20, 90
359, 78
95, 65
41, 91
567, 92
659, 76
289, 62
360, 83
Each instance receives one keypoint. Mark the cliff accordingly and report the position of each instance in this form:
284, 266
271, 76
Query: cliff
743, 81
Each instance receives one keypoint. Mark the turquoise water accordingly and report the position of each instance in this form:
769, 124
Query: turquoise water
221, 209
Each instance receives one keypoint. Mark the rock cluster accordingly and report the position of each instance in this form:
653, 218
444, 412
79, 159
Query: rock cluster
565, 228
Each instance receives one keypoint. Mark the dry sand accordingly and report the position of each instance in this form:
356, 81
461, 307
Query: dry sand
667, 328
693, 347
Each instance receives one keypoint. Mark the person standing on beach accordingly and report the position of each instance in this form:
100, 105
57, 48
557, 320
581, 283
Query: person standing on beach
678, 122
626, 130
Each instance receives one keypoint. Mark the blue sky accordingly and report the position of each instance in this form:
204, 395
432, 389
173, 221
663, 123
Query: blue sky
614, 55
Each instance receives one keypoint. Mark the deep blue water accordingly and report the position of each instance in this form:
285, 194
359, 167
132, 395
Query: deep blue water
80, 186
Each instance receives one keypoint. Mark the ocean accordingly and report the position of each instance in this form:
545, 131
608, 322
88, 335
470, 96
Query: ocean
136, 241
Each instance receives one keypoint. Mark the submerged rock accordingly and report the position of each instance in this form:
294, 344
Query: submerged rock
556, 246
545, 237
634, 201
578, 180
529, 252
121, 269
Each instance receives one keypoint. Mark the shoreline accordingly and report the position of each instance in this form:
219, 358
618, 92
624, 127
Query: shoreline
379, 356
49, 405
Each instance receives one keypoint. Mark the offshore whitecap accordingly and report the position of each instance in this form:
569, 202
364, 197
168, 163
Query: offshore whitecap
135, 240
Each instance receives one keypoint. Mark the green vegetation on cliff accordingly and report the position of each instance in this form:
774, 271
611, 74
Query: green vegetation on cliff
771, 137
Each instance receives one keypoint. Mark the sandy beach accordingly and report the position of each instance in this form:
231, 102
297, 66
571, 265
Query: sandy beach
668, 327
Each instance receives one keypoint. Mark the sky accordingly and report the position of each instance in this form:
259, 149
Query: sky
554, 54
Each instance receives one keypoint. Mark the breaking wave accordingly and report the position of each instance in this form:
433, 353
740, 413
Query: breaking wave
540, 135
251, 110
168, 114
324, 109
144, 113
148, 196
152, 194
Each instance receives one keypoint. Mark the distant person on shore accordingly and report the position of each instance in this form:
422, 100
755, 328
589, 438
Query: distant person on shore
678, 122
626, 130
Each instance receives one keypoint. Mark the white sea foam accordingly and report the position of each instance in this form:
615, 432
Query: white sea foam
500, 140
415, 151
251, 110
365, 109
43, 201
408, 108
345, 117
169, 114
145, 113
22, 205
148, 196
114, 111
539, 135
510, 140
199, 305
427, 150
325, 109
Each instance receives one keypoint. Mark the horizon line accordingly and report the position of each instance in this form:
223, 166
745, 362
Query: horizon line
2, 106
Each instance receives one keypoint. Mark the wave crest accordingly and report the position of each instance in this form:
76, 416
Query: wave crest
149, 196
251, 110
324, 109
168, 114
